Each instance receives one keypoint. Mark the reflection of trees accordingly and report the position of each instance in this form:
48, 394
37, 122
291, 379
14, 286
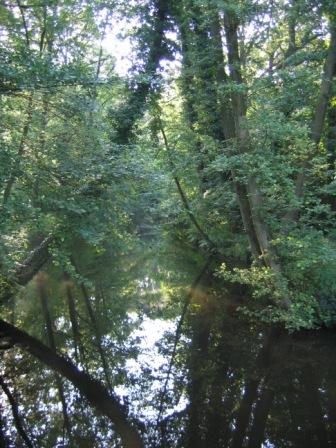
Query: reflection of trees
301, 415
248, 385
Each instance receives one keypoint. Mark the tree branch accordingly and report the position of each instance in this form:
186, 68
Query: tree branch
91, 389
181, 192
319, 118
16, 415
34, 262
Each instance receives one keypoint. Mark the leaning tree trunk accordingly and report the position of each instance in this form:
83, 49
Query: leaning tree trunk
16, 415
94, 391
250, 200
91, 389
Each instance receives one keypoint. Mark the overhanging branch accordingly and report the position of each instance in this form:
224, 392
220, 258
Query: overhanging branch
91, 389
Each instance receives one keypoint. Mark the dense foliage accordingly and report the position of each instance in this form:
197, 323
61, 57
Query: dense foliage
212, 161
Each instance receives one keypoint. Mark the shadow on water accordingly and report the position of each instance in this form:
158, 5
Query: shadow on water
250, 386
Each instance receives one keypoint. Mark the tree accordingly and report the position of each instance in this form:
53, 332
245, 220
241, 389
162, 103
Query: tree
214, 154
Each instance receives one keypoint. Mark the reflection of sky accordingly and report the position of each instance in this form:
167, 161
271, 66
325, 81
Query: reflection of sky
150, 333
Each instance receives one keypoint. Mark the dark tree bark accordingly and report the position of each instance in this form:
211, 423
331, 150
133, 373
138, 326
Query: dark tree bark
15, 411
291, 23
260, 417
225, 104
91, 389
34, 262
244, 412
138, 91
331, 135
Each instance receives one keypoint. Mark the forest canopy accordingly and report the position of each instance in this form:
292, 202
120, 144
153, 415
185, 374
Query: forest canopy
126, 196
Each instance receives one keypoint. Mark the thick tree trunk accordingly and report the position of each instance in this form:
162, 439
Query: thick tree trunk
331, 135
325, 89
260, 228
94, 392
229, 131
256, 228
291, 24
227, 107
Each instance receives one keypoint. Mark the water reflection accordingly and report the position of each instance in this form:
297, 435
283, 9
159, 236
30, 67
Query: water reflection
252, 387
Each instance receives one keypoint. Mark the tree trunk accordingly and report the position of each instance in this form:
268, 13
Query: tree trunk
319, 118
256, 228
94, 392
95, 328
14, 174
260, 417
138, 92
244, 412
41, 288
183, 196
34, 262
263, 363
313, 398
15, 411
79, 350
